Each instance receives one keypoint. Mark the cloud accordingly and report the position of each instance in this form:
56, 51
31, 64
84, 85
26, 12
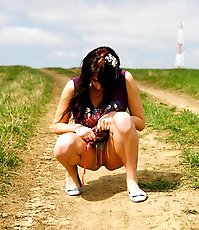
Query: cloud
29, 36
57, 54
143, 32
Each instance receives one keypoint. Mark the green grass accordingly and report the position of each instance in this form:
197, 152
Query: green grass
181, 80
183, 126
159, 184
24, 93
191, 157
179, 128
191, 160
67, 72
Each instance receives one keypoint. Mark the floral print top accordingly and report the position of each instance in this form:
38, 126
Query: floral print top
118, 102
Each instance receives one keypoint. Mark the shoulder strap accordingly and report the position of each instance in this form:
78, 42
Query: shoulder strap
123, 71
76, 80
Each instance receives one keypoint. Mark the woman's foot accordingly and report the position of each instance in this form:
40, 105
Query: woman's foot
73, 185
135, 193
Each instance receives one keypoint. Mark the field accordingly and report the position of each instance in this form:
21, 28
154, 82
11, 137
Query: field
180, 80
28, 100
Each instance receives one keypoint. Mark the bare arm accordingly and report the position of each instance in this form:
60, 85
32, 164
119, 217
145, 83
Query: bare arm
134, 102
60, 124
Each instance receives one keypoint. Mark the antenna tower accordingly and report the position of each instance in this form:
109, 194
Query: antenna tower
180, 48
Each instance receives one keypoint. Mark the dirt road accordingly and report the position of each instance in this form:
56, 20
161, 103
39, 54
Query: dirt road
168, 97
37, 199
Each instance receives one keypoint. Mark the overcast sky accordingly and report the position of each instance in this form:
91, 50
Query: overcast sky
59, 33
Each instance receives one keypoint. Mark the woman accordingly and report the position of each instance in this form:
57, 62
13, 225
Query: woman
103, 133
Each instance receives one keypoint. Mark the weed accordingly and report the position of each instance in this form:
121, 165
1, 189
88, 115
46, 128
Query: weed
191, 157
159, 185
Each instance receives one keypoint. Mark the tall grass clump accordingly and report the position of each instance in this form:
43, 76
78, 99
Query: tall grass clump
24, 93
180, 128
181, 80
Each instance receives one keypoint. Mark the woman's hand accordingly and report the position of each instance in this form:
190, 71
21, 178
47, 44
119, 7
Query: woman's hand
85, 133
104, 123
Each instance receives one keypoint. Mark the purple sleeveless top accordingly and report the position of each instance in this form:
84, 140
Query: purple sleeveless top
118, 102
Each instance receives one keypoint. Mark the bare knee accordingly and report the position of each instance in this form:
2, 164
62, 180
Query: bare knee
123, 122
64, 144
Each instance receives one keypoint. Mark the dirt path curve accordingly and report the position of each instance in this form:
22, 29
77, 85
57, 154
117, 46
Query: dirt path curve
37, 200
169, 97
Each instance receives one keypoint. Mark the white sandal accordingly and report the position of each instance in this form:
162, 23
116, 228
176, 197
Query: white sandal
140, 197
74, 192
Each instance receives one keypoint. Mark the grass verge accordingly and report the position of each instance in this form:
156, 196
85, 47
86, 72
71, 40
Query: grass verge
24, 93
67, 72
181, 80
180, 128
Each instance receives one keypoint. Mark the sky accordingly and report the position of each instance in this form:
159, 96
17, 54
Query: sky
60, 33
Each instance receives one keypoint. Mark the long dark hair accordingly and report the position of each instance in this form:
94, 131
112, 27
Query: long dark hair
105, 63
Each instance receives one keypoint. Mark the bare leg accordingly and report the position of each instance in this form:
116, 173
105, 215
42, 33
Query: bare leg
70, 151
65, 151
124, 144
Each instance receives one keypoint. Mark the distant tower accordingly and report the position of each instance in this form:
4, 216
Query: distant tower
180, 48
